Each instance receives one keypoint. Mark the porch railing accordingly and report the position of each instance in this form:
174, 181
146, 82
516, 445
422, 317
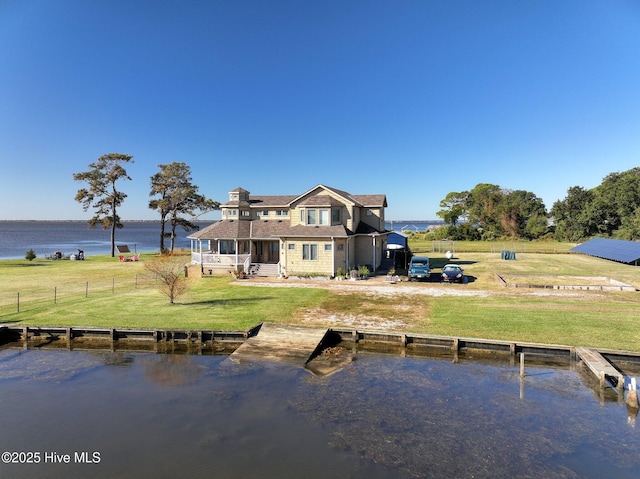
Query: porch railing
224, 260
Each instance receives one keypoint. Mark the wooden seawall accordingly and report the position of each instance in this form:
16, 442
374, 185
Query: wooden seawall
299, 344
38, 334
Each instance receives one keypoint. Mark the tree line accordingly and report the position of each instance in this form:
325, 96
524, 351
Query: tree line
173, 196
490, 212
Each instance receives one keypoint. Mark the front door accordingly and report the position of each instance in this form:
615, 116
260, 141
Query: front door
267, 251
273, 251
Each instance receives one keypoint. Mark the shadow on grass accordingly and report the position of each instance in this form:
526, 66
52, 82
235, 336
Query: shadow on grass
224, 302
25, 265
440, 262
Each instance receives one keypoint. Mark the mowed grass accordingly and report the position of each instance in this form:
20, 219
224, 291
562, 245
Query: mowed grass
101, 291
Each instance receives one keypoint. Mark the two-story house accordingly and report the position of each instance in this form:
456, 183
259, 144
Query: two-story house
317, 232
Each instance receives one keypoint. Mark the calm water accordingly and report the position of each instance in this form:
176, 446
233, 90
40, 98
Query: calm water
46, 237
160, 415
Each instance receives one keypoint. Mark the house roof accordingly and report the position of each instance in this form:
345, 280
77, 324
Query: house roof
265, 229
227, 229
258, 201
241, 229
270, 229
320, 200
372, 201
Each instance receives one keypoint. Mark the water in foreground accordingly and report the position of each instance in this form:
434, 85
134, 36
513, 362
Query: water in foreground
127, 414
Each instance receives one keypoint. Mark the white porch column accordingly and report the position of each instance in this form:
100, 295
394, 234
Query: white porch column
235, 242
333, 255
374, 253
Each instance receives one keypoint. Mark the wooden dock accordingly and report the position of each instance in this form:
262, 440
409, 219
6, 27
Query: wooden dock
279, 343
603, 369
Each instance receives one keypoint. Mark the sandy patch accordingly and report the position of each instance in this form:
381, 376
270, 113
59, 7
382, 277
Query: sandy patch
369, 287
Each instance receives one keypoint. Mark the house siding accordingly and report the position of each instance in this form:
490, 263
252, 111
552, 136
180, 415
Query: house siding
345, 244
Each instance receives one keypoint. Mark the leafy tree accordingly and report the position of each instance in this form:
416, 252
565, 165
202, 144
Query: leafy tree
570, 215
482, 203
176, 196
454, 207
522, 214
169, 270
30, 255
616, 200
102, 193
630, 228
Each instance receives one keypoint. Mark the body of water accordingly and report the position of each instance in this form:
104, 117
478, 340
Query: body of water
47, 237
130, 415
412, 226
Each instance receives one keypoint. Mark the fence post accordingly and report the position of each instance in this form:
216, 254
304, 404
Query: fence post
18, 302
55, 295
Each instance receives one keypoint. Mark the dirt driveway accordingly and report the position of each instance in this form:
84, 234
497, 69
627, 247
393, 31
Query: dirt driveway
384, 314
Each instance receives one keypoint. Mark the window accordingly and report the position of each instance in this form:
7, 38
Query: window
310, 252
324, 217
263, 213
311, 217
232, 212
327, 247
292, 246
282, 212
335, 216
227, 247
245, 213
317, 217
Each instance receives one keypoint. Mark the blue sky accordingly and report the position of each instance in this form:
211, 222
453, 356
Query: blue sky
413, 99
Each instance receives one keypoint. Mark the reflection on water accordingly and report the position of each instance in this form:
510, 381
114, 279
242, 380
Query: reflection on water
381, 416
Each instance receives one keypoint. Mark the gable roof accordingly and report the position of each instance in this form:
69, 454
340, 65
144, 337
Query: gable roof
372, 201
615, 250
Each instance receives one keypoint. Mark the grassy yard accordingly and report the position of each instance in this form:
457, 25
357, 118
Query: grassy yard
101, 291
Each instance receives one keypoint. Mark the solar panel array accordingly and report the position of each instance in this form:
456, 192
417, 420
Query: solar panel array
616, 250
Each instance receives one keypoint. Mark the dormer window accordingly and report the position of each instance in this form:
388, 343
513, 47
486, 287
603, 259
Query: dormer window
314, 216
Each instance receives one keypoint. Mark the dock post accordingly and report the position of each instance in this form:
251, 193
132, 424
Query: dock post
403, 340
521, 365
456, 345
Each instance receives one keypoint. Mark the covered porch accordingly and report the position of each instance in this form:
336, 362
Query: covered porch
260, 257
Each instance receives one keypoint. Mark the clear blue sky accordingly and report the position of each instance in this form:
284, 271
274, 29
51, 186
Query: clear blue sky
413, 99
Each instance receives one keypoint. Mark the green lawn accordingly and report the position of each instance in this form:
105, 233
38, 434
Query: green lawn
101, 291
